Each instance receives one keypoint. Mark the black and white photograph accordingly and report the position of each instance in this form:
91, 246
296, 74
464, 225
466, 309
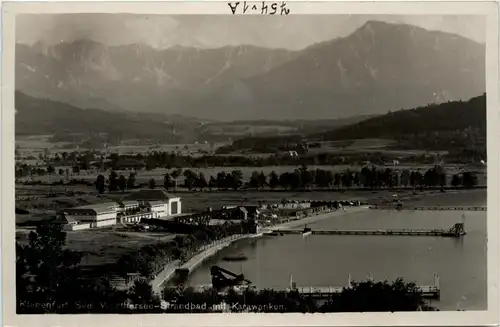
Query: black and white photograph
257, 160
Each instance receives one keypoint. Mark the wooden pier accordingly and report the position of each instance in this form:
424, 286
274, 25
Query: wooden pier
327, 292
456, 231
431, 208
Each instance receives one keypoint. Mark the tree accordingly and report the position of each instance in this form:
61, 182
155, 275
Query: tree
355, 180
347, 178
375, 178
469, 179
236, 179
306, 177
176, 174
113, 181
50, 170
152, 184
285, 180
131, 181
190, 179
273, 180
167, 181
337, 180
365, 177
141, 294
441, 175
254, 180
122, 183
456, 180
76, 169
202, 181
329, 178
212, 183
262, 180
405, 177
46, 272
100, 184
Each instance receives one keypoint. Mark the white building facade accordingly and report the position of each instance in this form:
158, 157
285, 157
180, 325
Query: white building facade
91, 216
151, 204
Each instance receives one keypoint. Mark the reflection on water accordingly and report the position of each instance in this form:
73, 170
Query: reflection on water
326, 260
459, 243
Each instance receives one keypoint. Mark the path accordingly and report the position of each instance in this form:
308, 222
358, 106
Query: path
164, 275
207, 251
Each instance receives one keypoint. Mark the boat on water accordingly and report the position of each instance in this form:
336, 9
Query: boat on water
239, 257
306, 232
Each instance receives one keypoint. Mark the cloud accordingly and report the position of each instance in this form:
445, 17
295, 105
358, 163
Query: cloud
292, 32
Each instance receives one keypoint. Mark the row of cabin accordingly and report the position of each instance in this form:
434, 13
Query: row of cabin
144, 204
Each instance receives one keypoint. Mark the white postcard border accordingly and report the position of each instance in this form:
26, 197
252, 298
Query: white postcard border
489, 317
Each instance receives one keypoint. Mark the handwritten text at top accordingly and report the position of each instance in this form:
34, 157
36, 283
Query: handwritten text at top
263, 8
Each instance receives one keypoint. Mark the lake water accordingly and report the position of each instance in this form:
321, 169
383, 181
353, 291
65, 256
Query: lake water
328, 260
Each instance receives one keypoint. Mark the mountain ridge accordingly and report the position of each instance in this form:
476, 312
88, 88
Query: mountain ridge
379, 67
307, 80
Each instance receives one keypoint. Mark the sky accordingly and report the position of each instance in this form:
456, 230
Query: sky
292, 32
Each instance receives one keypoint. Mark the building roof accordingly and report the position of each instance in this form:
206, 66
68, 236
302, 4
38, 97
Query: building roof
151, 195
69, 219
129, 203
155, 202
96, 207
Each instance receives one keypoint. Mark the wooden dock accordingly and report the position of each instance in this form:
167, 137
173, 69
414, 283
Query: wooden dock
322, 292
327, 292
431, 208
456, 231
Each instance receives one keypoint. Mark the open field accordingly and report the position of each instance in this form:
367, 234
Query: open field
36, 144
105, 246
247, 130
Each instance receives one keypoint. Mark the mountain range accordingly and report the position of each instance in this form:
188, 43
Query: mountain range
378, 68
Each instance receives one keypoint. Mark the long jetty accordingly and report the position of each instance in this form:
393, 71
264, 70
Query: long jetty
431, 208
456, 231
326, 292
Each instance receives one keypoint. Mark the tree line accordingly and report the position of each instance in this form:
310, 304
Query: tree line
49, 280
299, 179
76, 162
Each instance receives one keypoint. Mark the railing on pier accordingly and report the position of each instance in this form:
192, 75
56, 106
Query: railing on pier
326, 292
321, 292
457, 230
433, 208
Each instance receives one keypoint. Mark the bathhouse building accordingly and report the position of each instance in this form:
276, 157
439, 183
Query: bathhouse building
144, 204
